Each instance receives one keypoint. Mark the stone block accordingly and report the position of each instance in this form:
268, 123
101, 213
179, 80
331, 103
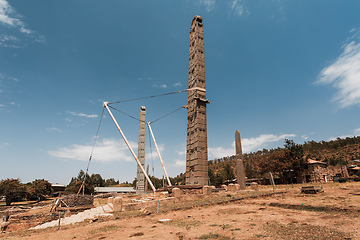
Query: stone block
207, 190
176, 193
117, 204
237, 186
111, 200
254, 186
231, 187
224, 187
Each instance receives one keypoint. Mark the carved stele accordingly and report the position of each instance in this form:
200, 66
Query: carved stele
196, 145
240, 170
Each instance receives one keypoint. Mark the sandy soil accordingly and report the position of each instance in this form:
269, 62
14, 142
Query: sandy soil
333, 214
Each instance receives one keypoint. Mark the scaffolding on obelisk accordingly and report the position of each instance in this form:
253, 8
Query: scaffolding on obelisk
140, 179
196, 145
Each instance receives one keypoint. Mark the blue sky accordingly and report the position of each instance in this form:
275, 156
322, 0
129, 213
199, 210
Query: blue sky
274, 70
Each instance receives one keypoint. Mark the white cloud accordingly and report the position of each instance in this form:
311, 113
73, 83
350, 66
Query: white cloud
248, 145
344, 75
107, 150
357, 132
7, 17
178, 84
8, 41
55, 129
209, 4
2, 105
182, 153
179, 163
305, 137
220, 152
4, 144
260, 142
5, 11
159, 86
238, 8
152, 154
83, 115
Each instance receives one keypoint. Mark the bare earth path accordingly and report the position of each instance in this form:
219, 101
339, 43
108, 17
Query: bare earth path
333, 214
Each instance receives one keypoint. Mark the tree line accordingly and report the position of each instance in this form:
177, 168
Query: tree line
14, 190
287, 162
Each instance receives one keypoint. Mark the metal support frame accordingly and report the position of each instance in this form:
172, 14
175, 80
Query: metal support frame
158, 152
105, 104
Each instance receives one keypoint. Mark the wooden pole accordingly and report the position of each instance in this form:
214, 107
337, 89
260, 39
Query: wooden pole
146, 182
105, 104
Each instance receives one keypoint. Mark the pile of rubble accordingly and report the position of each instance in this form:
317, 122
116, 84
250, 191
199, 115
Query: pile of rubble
77, 201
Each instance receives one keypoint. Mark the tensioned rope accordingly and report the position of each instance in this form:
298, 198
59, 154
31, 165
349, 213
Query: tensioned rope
151, 121
164, 94
129, 100
152, 161
92, 151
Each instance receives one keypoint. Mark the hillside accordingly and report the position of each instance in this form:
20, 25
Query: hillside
335, 152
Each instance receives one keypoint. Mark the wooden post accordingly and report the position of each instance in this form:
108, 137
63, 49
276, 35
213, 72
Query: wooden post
59, 220
146, 182
272, 182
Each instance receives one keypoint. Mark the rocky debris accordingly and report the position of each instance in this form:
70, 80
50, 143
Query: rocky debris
78, 200
93, 213
146, 212
3, 226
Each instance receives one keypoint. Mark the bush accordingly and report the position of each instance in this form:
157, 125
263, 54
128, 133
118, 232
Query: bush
342, 180
357, 179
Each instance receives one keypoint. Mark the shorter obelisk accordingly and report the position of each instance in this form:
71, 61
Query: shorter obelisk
140, 183
240, 170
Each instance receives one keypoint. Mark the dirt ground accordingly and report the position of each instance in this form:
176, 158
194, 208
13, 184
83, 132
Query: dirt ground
333, 214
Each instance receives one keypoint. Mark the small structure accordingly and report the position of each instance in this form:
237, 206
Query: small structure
100, 190
354, 170
316, 171
312, 189
56, 187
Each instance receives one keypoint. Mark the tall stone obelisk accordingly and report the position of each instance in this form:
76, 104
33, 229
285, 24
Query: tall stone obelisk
240, 170
196, 145
140, 179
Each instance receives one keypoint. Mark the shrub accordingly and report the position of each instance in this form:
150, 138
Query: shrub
357, 179
342, 180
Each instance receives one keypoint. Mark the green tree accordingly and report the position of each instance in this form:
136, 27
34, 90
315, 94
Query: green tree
12, 189
295, 156
111, 182
76, 182
39, 189
96, 180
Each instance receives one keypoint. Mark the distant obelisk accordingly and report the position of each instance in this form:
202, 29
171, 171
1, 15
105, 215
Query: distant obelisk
240, 170
196, 145
140, 179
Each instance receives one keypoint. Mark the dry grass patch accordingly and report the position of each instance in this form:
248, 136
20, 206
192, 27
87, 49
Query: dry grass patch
213, 236
301, 231
183, 223
104, 229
